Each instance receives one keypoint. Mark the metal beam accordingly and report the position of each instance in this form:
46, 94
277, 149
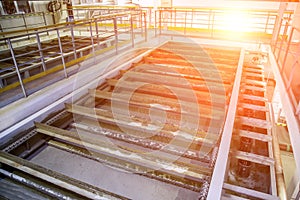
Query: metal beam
217, 180
253, 157
183, 62
203, 97
126, 122
56, 178
162, 78
249, 192
250, 121
253, 107
291, 118
253, 135
129, 152
146, 100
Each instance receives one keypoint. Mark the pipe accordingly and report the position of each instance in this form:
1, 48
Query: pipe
281, 188
34, 185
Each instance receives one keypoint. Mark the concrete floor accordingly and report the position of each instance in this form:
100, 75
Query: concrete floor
118, 181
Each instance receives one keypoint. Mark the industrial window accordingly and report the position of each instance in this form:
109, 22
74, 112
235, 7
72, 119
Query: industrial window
14, 7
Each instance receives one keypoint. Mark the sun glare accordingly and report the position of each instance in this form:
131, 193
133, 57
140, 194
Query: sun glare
236, 21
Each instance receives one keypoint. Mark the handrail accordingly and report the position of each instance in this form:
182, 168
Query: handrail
215, 8
58, 25
94, 29
222, 9
212, 23
87, 6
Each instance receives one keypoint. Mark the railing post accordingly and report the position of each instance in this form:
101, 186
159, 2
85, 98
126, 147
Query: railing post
16, 66
141, 20
160, 18
45, 22
61, 53
73, 40
281, 44
175, 14
287, 50
274, 43
131, 31
40, 50
92, 41
192, 20
116, 33
145, 24
171, 21
155, 23
212, 25
291, 76
185, 16
97, 31
267, 22
25, 24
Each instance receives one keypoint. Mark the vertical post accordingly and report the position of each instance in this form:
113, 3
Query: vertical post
145, 24
213, 24
97, 31
73, 39
171, 21
267, 22
24, 20
16, 6
149, 13
155, 23
278, 24
61, 53
44, 18
92, 40
45, 22
53, 16
25, 24
287, 50
131, 31
281, 44
141, 21
291, 76
192, 20
40, 50
16, 66
160, 18
185, 16
116, 34
77, 11
277, 33
175, 14
209, 20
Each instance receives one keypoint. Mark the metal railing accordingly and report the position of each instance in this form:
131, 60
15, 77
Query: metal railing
69, 43
215, 23
90, 11
286, 50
